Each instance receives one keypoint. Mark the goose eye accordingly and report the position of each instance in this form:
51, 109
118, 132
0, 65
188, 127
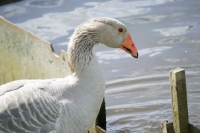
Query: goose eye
120, 30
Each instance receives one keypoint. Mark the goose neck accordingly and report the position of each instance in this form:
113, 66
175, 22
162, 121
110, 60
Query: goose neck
80, 51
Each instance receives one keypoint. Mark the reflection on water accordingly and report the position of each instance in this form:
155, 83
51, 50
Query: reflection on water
10, 11
153, 51
176, 31
167, 35
51, 26
119, 54
171, 40
137, 104
144, 19
44, 3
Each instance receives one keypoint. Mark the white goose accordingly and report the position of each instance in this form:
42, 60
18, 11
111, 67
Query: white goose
71, 104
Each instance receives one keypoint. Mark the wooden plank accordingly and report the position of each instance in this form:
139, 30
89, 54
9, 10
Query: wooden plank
96, 129
26, 56
194, 129
100, 130
168, 128
179, 101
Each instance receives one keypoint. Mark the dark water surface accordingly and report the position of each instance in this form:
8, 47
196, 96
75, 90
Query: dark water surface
167, 35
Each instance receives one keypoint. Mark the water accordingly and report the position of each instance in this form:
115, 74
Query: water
166, 33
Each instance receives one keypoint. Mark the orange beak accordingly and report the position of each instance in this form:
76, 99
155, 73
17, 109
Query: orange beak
129, 46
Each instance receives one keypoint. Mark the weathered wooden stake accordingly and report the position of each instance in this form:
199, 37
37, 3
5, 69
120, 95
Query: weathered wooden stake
179, 106
179, 101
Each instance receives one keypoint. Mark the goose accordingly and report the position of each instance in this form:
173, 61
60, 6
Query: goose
70, 104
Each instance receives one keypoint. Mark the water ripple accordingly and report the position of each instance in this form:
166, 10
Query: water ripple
174, 31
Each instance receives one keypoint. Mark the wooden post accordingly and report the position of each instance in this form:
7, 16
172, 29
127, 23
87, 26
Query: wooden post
179, 101
179, 106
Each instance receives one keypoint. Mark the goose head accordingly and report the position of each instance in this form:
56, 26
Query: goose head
114, 34
104, 30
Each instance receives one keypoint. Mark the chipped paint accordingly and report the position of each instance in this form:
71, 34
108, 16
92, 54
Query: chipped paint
24, 55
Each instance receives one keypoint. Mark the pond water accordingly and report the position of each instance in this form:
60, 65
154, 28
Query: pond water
166, 33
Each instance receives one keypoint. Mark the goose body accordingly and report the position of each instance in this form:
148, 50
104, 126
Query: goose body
70, 104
